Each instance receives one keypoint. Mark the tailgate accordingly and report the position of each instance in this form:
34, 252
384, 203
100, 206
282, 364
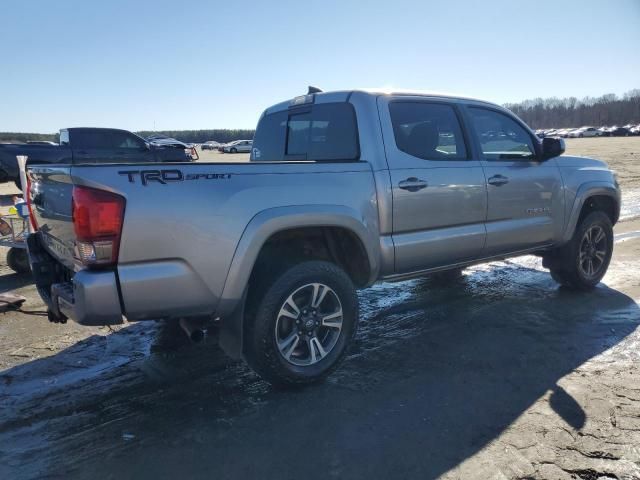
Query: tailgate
51, 191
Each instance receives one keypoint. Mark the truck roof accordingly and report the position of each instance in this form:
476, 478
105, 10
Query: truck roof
343, 96
70, 129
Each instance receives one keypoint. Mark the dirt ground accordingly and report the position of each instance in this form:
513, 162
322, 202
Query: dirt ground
499, 375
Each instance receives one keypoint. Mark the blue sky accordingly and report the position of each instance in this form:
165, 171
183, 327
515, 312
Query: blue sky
207, 64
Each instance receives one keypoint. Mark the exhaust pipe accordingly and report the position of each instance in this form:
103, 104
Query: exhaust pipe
193, 329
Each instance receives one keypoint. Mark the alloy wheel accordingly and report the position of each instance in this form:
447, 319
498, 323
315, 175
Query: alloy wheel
593, 251
309, 324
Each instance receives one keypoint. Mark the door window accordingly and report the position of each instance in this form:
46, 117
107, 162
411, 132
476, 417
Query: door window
91, 139
501, 137
430, 131
126, 141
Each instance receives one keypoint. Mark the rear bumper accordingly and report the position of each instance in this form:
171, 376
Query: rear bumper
87, 297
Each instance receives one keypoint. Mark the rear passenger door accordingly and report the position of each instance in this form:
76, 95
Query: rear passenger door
525, 207
439, 192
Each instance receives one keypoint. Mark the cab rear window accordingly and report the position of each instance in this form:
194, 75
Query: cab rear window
323, 132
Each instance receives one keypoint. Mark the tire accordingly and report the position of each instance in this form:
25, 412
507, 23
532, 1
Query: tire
280, 345
577, 264
233, 150
581, 135
18, 260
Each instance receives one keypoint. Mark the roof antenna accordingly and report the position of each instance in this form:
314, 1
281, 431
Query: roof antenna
313, 89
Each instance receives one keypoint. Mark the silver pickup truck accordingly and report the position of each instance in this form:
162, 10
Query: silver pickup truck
343, 189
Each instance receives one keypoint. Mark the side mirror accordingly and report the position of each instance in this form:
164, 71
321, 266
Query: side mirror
552, 147
147, 146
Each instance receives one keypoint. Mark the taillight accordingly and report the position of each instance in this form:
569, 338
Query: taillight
97, 221
27, 196
192, 152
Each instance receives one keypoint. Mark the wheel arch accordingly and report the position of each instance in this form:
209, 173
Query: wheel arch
590, 197
277, 223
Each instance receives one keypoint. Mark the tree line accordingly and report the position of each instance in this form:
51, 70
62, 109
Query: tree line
568, 112
20, 137
552, 112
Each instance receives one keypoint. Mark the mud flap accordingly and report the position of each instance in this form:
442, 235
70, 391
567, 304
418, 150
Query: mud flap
231, 330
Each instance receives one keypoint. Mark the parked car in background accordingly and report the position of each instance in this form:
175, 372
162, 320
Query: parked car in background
635, 130
92, 145
585, 132
604, 131
541, 133
619, 132
168, 142
239, 146
41, 142
210, 145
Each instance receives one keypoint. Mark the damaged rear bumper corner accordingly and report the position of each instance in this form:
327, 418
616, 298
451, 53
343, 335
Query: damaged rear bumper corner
88, 297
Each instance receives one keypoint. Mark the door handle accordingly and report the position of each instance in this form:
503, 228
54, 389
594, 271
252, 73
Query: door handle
412, 184
498, 180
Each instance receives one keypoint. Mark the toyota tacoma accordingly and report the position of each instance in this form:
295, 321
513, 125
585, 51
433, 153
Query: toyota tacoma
343, 189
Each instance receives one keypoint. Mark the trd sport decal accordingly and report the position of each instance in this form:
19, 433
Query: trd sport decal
166, 176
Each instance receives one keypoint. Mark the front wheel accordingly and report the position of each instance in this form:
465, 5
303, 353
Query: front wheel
581, 263
233, 150
298, 331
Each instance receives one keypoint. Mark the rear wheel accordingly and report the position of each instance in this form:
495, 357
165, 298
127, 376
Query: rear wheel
298, 331
582, 262
18, 260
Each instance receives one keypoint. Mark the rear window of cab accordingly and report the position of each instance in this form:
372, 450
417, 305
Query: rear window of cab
319, 132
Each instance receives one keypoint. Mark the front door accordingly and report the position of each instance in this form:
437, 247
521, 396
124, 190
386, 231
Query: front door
439, 192
525, 207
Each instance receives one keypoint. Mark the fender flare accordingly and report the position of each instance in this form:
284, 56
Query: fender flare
587, 190
261, 227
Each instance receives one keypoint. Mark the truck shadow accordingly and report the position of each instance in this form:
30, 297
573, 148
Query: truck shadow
435, 374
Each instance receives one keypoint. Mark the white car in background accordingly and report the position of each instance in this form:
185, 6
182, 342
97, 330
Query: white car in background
239, 146
585, 132
210, 145
564, 132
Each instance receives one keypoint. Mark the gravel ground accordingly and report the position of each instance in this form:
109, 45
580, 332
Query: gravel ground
498, 375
